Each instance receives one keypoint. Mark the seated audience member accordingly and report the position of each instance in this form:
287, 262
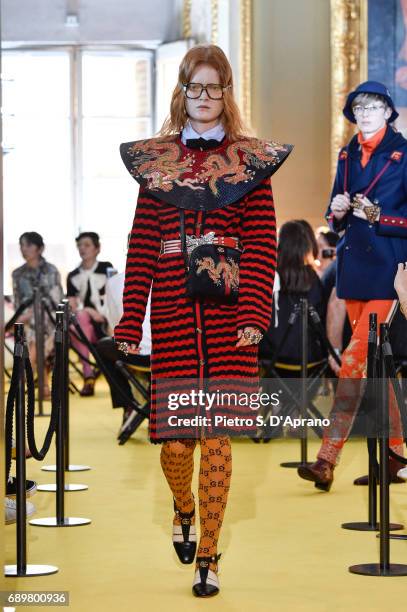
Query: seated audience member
86, 291
295, 278
37, 273
109, 353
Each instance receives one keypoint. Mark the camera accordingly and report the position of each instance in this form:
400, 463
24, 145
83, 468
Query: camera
328, 253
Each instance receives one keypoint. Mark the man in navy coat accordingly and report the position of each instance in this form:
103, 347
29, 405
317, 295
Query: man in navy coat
369, 208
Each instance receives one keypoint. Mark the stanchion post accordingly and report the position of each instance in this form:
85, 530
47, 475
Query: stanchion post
384, 462
372, 442
60, 435
39, 346
304, 375
60, 520
65, 309
304, 391
65, 396
384, 567
21, 568
20, 452
62, 333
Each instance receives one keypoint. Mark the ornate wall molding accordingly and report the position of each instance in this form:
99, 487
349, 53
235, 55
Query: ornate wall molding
348, 64
245, 76
186, 19
214, 22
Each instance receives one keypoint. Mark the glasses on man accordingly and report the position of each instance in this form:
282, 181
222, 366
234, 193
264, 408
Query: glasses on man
371, 109
213, 90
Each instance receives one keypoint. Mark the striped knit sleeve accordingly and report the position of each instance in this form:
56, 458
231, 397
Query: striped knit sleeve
142, 256
259, 259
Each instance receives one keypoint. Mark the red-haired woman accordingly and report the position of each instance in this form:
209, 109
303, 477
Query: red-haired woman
203, 174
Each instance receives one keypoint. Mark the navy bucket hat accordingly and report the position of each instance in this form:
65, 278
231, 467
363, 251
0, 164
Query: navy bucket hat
369, 87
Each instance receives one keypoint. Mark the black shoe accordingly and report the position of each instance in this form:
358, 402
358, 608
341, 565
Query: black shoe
394, 467
184, 536
129, 426
11, 487
206, 583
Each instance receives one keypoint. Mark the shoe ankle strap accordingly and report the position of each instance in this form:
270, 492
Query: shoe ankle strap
184, 515
209, 559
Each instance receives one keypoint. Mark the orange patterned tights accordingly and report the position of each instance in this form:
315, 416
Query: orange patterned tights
215, 472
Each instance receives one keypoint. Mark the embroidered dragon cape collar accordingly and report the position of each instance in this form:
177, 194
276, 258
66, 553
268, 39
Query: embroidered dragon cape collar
201, 180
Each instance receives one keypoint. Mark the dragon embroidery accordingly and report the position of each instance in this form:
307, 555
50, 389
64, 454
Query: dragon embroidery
162, 163
228, 269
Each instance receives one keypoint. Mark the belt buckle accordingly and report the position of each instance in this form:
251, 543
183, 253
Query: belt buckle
192, 242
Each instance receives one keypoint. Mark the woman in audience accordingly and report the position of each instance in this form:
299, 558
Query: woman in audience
295, 279
36, 273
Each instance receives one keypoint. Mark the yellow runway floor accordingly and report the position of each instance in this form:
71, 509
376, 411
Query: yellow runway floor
282, 544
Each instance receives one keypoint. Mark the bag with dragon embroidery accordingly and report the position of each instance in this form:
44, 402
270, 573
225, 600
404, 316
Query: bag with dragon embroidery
211, 270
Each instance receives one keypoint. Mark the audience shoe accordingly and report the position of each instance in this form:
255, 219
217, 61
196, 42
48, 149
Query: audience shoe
184, 536
402, 473
321, 473
11, 487
88, 388
395, 467
10, 509
206, 583
129, 426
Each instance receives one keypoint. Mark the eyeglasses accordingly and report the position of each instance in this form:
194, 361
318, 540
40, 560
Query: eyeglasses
370, 109
213, 90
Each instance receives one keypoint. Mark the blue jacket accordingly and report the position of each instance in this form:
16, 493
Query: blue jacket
368, 253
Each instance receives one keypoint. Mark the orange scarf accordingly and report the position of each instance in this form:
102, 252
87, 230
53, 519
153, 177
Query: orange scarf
369, 145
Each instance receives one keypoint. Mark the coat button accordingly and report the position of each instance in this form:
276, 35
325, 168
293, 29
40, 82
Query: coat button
199, 330
385, 220
202, 362
347, 248
370, 226
393, 221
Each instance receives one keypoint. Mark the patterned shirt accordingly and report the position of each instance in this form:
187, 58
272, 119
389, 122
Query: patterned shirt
46, 277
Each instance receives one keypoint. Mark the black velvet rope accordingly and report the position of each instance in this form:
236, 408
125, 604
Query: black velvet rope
56, 374
17, 313
11, 399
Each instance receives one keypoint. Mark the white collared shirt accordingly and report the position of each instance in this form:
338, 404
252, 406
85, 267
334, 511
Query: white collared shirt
217, 133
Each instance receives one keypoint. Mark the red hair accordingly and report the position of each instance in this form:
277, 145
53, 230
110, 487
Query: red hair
213, 56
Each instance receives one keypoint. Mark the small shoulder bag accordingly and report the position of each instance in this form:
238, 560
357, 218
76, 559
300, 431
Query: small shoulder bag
211, 268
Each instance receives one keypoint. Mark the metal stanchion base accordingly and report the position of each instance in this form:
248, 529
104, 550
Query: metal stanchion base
71, 468
30, 570
70, 521
375, 569
398, 536
51, 488
295, 464
368, 527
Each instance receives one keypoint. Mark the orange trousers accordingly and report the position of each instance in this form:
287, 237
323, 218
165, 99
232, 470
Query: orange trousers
349, 392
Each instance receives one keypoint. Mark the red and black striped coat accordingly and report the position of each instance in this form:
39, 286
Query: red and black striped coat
192, 339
